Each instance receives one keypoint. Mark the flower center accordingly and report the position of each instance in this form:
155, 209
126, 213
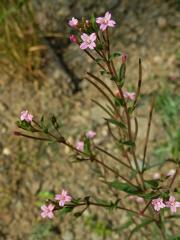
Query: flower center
88, 41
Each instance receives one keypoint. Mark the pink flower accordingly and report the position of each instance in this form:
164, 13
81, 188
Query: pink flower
158, 204
73, 22
90, 134
47, 211
73, 38
117, 93
124, 58
131, 198
63, 198
156, 176
80, 146
26, 116
129, 95
172, 204
139, 200
88, 41
105, 21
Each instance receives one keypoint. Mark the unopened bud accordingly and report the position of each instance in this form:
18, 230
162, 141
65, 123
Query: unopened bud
124, 58
73, 38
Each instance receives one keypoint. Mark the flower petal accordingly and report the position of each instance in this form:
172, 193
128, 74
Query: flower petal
107, 16
92, 37
84, 37
83, 45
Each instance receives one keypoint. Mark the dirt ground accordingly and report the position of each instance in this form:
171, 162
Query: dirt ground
146, 29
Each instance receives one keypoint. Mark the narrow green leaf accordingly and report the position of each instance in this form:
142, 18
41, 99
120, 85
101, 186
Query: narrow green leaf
138, 227
127, 142
118, 102
45, 195
117, 123
114, 78
150, 195
99, 46
125, 187
26, 126
122, 72
66, 210
153, 183
98, 60
87, 145
114, 55
93, 22
55, 123
124, 226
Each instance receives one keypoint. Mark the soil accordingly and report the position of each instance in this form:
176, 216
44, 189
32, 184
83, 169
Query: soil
145, 29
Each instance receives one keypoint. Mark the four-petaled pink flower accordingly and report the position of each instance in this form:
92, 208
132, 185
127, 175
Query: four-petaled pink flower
172, 204
73, 38
88, 41
47, 211
26, 116
63, 198
90, 134
129, 95
80, 146
158, 204
105, 21
73, 22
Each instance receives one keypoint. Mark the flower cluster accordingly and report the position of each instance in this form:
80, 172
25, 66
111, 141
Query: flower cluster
172, 204
89, 40
47, 211
120, 108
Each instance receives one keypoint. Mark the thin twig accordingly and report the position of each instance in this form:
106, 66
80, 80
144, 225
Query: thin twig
148, 131
113, 157
101, 106
104, 94
102, 83
139, 84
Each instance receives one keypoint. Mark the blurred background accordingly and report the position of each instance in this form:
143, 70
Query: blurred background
40, 70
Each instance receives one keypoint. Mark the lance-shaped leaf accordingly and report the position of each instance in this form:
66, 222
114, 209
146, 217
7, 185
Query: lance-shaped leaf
150, 195
122, 72
129, 143
66, 210
93, 22
125, 187
87, 145
115, 122
55, 123
119, 102
139, 226
114, 55
44, 126
153, 183
26, 126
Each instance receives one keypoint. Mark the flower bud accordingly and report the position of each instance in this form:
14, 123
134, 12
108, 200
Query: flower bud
73, 38
124, 58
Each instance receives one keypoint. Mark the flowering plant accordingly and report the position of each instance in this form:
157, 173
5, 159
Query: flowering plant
150, 198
